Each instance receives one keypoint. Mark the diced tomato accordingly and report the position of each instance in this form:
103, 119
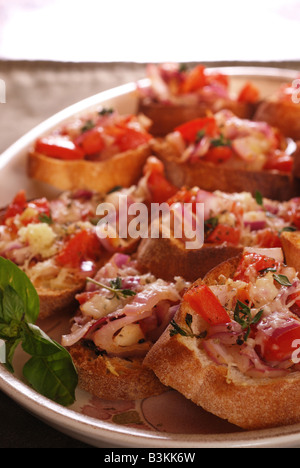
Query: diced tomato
18, 205
219, 78
182, 196
203, 301
189, 130
278, 345
82, 247
279, 161
127, 138
159, 187
195, 79
84, 297
41, 207
218, 154
59, 147
249, 93
223, 233
91, 142
257, 262
295, 212
267, 238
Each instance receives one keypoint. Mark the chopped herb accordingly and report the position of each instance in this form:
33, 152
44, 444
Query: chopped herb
115, 287
259, 198
89, 124
282, 279
210, 225
115, 189
266, 270
177, 330
200, 134
183, 67
288, 229
221, 141
43, 218
243, 316
105, 111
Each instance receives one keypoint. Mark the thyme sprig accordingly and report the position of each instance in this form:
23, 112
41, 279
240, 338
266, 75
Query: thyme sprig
243, 316
115, 288
177, 330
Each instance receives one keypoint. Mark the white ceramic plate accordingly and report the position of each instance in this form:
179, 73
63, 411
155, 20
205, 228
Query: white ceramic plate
167, 421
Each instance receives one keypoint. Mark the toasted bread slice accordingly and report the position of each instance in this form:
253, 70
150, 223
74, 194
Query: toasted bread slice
114, 378
250, 403
168, 257
271, 184
166, 117
52, 302
291, 248
123, 170
284, 115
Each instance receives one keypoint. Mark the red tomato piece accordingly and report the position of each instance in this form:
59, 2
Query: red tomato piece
249, 93
195, 79
159, 187
82, 247
218, 154
278, 346
127, 138
223, 233
257, 262
91, 142
18, 205
203, 301
189, 130
279, 161
59, 147
267, 238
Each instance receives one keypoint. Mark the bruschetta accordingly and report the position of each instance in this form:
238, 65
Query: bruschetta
233, 346
178, 93
97, 152
57, 242
282, 110
121, 314
224, 152
231, 222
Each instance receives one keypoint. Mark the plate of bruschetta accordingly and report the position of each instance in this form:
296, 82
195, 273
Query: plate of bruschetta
118, 328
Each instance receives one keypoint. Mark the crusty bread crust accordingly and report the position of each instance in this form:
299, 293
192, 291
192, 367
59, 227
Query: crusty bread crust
291, 248
114, 378
211, 177
246, 402
281, 114
123, 170
168, 257
53, 302
166, 117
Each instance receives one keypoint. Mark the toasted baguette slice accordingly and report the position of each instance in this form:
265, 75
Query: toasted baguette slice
123, 170
52, 302
249, 403
165, 117
291, 248
284, 115
114, 378
271, 184
168, 257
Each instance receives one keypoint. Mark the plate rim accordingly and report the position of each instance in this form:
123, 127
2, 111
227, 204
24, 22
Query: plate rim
72, 422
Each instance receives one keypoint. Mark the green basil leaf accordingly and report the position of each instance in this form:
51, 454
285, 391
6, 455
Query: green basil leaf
282, 279
12, 305
50, 371
11, 275
10, 347
53, 376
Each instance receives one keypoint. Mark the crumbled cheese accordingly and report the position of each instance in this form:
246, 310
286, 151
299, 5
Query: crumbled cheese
40, 238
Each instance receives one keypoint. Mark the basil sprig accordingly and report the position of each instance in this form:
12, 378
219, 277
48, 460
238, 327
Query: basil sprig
50, 370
